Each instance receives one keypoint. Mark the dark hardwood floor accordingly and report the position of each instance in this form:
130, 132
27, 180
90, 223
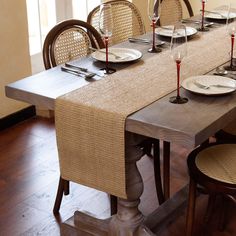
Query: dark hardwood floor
29, 175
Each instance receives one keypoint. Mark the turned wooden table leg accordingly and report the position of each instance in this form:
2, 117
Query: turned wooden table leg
128, 220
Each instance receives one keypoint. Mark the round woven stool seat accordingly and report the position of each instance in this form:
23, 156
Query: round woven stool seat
213, 169
218, 162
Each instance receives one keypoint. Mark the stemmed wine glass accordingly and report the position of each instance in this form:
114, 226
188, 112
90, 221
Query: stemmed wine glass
178, 47
154, 9
231, 30
203, 28
105, 27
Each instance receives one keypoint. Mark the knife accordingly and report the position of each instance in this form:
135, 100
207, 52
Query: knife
83, 74
82, 69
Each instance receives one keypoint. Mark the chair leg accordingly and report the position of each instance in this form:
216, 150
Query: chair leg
210, 207
157, 171
147, 147
191, 208
166, 169
113, 203
223, 215
63, 187
66, 189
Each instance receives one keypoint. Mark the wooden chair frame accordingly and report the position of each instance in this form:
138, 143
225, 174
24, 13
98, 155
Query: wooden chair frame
211, 186
56, 31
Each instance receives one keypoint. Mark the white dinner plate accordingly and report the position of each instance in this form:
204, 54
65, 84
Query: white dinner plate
117, 55
167, 31
221, 16
217, 84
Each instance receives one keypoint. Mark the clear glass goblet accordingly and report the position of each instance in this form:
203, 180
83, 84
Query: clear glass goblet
154, 10
105, 28
178, 47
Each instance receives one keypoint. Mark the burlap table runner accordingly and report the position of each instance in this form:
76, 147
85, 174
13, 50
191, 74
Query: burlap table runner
90, 121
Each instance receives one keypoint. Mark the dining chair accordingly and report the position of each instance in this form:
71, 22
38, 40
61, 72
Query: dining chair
227, 134
212, 168
127, 19
68, 40
172, 11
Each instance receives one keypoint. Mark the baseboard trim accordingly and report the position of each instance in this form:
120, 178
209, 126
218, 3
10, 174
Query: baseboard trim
17, 117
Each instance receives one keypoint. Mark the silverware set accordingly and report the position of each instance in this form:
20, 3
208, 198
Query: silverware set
117, 57
80, 71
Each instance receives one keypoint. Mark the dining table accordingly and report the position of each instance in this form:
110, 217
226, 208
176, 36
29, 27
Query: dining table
188, 125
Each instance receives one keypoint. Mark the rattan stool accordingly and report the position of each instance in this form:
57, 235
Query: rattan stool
214, 169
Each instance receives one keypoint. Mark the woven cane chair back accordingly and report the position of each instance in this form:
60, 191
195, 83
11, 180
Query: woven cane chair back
172, 11
68, 40
127, 21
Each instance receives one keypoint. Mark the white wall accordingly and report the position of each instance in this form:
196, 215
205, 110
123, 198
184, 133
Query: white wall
14, 51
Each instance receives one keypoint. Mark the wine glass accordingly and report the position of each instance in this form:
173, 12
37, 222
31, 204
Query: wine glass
231, 30
154, 9
178, 47
105, 27
203, 28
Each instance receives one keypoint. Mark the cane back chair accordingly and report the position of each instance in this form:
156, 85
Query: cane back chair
68, 40
172, 11
212, 168
126, 17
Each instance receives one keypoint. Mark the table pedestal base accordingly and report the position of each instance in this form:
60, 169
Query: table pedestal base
82, 224
128, 221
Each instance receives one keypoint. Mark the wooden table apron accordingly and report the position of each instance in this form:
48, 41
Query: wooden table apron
188, 125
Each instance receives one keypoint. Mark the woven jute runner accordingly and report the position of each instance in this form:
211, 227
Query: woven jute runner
90, 121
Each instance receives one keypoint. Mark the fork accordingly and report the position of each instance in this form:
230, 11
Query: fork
170, 29
86, 75
117, 57
82, 69
202, 86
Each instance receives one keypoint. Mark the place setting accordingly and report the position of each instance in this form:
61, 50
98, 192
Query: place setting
154, 11
165, 32
210, 85
111, 55
210, 18
108, 55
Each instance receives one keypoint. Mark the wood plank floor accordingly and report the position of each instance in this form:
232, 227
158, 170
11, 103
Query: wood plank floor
29, 175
